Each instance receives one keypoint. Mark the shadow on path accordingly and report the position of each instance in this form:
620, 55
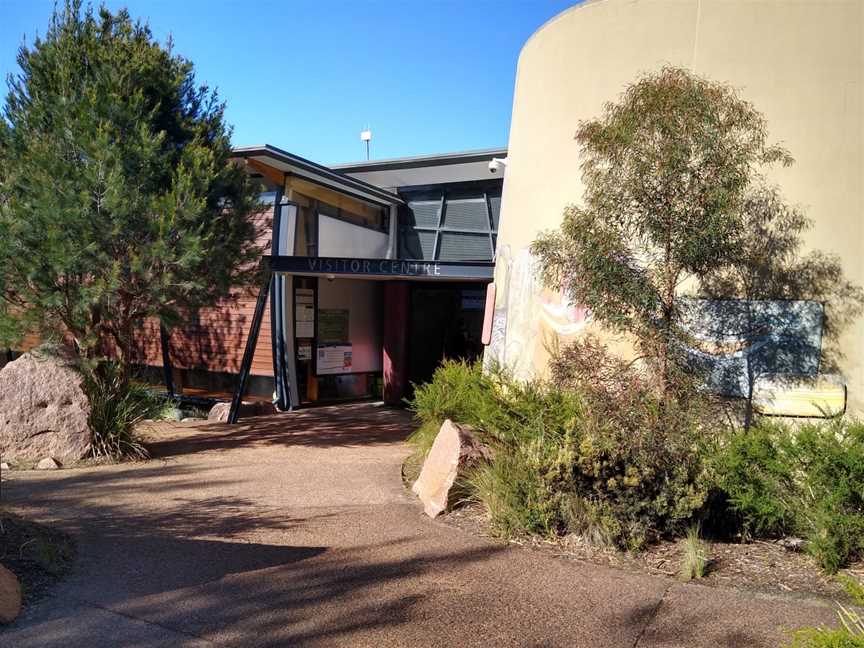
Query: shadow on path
360, 424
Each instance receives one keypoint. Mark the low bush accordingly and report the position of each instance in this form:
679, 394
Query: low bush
459, 391
614, 464
807, 481
117, 406
850, 634
853, 588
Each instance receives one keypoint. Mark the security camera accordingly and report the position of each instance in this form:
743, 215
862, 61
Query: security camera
497, 164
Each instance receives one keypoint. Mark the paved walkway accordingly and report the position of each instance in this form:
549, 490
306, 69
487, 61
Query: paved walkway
295, 530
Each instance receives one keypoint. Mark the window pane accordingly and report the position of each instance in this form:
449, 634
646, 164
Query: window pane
464, 247
466, 214
425, 212
415, 244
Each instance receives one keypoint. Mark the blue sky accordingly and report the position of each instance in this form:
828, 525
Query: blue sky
429, 77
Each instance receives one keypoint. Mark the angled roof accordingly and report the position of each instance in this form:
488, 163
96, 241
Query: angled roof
290, 163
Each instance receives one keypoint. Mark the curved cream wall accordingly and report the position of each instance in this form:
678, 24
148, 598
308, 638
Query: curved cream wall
800, 63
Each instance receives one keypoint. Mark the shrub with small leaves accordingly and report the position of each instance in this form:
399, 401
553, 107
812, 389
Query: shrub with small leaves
807, 481
617, 466
850, 634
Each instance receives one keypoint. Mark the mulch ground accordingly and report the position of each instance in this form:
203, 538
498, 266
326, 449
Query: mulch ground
765, 567
38, 555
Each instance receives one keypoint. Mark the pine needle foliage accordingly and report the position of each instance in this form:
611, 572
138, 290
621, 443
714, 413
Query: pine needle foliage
119, 200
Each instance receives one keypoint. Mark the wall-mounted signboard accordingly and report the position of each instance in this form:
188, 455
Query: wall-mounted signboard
333, 325
334, 359
466, 270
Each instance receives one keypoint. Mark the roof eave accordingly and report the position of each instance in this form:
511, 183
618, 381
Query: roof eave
377, 194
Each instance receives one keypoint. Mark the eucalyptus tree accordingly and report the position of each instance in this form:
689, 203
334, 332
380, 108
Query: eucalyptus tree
667, 172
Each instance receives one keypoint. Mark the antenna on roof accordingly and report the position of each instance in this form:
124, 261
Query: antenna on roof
366, 136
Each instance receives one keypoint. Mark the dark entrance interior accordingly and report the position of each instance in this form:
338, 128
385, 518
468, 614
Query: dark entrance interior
445, 321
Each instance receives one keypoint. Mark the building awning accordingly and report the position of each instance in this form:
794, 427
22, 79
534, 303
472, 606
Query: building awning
286, 162
480, 271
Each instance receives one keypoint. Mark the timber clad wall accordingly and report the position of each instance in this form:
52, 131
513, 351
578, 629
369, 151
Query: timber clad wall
214, 339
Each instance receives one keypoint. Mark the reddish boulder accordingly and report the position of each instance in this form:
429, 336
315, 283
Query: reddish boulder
10, 596
43, 410
455, 448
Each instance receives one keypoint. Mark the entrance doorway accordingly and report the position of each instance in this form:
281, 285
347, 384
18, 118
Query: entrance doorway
445, 321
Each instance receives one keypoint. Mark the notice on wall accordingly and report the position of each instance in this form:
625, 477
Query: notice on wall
304, 352
334, 359
304, 313
333, 325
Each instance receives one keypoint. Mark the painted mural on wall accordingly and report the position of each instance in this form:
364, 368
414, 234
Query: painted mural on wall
527, 316
767, 350
736, 341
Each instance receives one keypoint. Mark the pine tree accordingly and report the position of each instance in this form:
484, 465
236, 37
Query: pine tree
119, 200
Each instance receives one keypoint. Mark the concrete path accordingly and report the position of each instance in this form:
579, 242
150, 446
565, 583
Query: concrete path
296, 530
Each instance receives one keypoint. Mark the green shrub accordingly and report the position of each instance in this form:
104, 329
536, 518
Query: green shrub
852, 587
117, 405
807, 481
755, 472
616, 466
849, 635
458, 391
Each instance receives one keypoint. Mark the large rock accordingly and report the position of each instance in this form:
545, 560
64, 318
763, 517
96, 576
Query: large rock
43, 410
454, 449
10, 596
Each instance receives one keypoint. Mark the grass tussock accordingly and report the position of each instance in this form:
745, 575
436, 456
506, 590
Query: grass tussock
117, 406
694, 562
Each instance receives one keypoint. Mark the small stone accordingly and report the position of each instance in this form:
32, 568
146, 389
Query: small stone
792, 544
188, 419
48, 463
219, 412
4, 466
10, 596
